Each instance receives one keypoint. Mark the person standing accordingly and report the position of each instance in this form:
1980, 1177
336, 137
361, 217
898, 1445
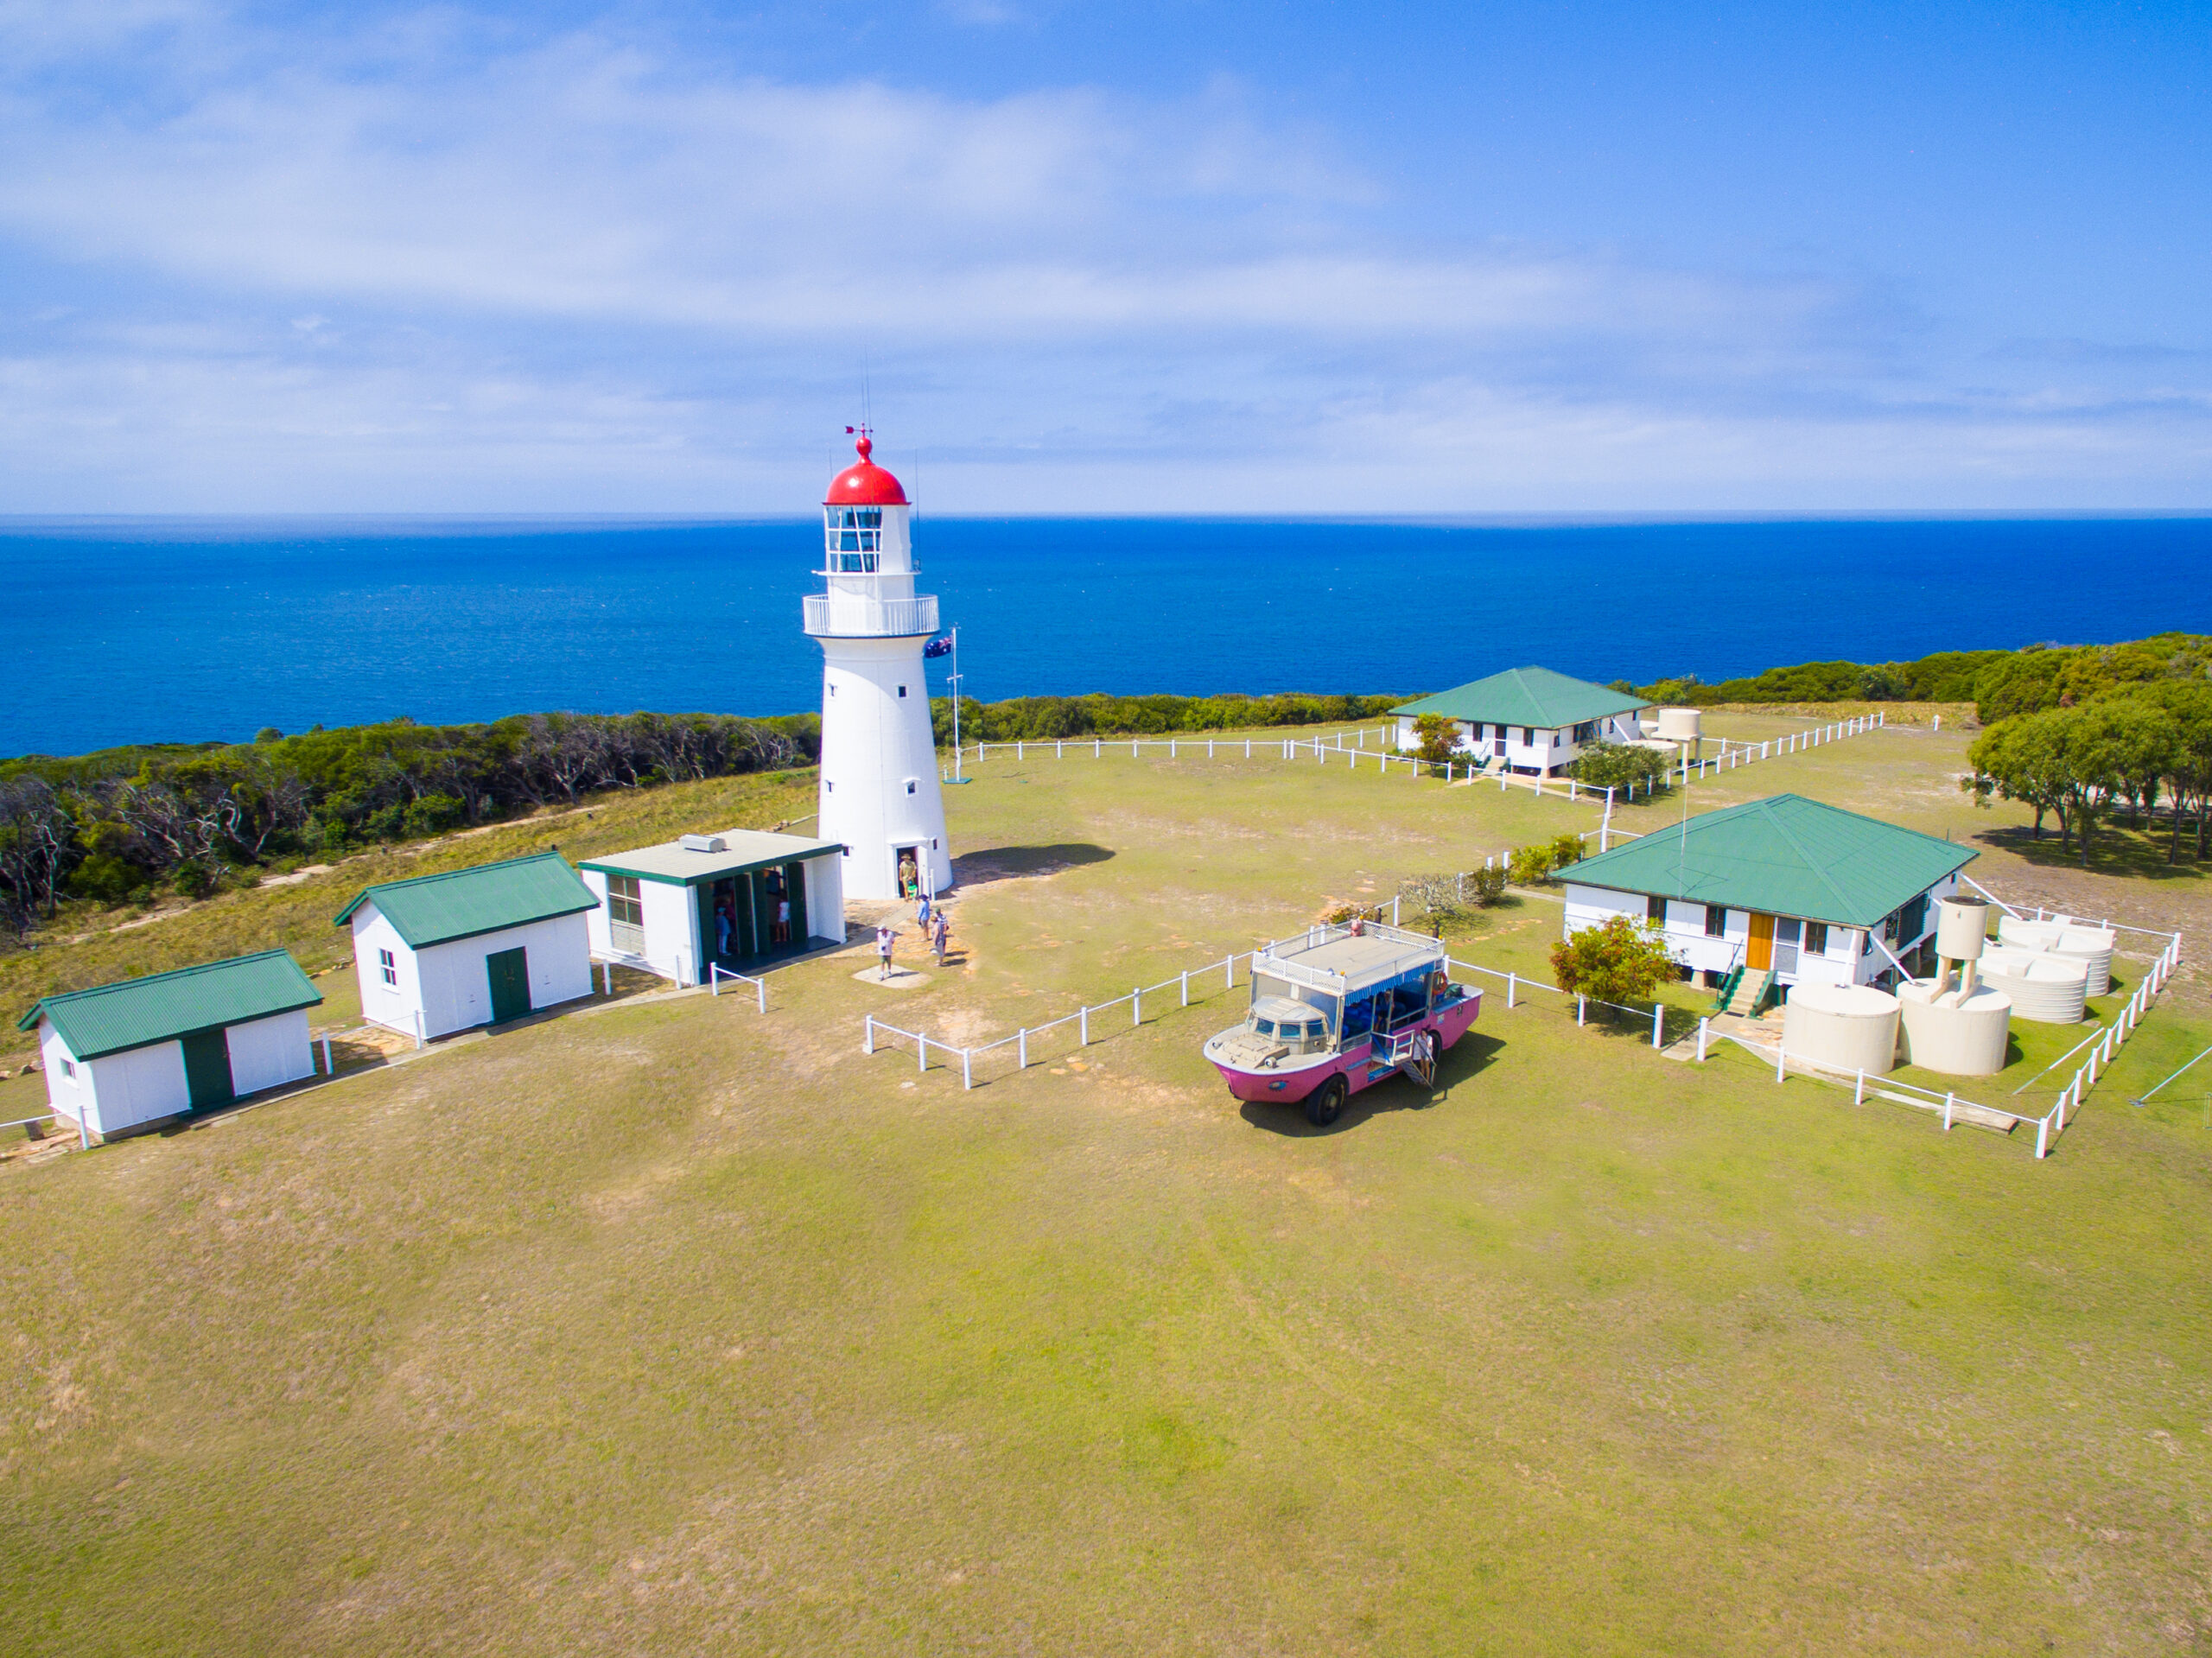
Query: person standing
883, 938
923, 914
940, 930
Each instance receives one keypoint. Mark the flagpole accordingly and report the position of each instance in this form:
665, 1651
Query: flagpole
957, 777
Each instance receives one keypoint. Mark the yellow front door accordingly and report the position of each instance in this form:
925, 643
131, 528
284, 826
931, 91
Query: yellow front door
1760, 955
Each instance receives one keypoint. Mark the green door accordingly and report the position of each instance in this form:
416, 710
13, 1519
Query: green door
208, 1070
509, 973
795, 889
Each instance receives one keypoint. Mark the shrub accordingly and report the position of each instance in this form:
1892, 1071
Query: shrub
1625, 960
1530, 864
1566, 849
432, 815
1615, 765
1486, 886
1439, 739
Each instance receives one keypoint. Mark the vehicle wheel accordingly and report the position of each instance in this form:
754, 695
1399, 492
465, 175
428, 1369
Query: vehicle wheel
1324, 1102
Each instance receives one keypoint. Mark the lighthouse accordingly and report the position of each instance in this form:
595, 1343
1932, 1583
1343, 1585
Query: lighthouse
879, 794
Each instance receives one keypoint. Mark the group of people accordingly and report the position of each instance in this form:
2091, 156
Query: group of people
780, 916
936, 931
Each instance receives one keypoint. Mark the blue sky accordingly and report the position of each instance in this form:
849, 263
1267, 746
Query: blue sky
1172, 257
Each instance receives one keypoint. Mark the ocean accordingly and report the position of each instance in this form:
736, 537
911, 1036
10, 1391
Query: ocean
143, 632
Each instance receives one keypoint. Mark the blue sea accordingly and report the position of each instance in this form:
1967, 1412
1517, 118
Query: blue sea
140, 631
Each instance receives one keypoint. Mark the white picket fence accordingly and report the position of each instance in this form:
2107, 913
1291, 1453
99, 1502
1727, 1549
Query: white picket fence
1351, 748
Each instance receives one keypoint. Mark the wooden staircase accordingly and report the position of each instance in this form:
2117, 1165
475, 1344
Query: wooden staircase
1751, 993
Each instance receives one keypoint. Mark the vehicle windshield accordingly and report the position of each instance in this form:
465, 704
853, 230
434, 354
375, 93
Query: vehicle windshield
1264, 1027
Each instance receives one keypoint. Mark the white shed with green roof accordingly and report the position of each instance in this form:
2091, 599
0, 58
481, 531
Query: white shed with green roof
740, 899
1790, 891
123, 1056
478, 946
1528, 720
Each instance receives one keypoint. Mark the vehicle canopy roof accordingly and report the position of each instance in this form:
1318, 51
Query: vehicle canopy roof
1341, 962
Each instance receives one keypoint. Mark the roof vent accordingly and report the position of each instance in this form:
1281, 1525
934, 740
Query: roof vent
702, 844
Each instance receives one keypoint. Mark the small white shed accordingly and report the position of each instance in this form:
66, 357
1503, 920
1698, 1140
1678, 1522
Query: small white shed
123, 1056
482, 946
739, 898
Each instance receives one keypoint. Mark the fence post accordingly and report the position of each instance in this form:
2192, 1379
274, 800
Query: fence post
1394, 909
329, 1066
1083, 1017
1187, 987
867, 1042
1512, 984
1582, 1005
713, 980
1248, 748
967, 1076
421, 1029
1021, 1053
1701, 1026
1228, 971
2043, 1135
921, 1053
1658, 1024
1097, 748
763, 996
1021, 751
1949, 1100
1136, 1007
1858, 1094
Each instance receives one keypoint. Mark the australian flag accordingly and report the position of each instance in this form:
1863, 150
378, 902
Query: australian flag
940, 646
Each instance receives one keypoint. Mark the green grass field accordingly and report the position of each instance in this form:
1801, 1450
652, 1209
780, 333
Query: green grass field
670, 1328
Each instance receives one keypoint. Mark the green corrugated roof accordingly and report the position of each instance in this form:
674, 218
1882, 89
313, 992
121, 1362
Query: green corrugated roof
163, 1007
1527, 696
461, 903
1783, 855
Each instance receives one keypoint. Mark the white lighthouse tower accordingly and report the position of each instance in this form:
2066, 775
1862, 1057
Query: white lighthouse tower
879, 791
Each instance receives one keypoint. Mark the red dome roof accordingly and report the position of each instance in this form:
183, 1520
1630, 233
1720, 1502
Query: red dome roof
864, 483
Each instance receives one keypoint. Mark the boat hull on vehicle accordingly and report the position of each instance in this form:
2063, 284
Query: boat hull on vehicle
1289, 1081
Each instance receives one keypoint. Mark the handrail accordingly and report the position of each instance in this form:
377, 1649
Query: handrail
716, 973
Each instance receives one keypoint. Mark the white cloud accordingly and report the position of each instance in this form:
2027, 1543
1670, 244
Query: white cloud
403, 268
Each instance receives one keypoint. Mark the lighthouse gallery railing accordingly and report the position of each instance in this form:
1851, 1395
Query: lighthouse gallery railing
844, 615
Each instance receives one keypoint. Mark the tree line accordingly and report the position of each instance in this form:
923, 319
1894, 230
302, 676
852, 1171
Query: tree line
2123, 750
117, 825
1035, 719
2001, 685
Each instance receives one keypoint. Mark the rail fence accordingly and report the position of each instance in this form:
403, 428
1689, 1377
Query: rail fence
716, 973
1352, 747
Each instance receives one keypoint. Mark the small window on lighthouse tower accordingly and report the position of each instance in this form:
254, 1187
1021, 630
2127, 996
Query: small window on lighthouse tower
910, 785
902, 690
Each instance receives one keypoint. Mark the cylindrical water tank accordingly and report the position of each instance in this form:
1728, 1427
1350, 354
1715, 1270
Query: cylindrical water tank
1847, 1026
1680, 725
2063, 936
2045, 987
1961, 928
1958, 1035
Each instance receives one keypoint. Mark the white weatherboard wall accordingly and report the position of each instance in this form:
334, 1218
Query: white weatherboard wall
449, 986
119, 1090
270, 1052
825, 898
1550, 749
672, 928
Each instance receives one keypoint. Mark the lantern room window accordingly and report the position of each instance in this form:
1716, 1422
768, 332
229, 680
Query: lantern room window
855, 536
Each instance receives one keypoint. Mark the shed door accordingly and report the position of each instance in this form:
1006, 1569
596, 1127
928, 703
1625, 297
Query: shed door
1760, 955
208, 1070
795, 890
509, 972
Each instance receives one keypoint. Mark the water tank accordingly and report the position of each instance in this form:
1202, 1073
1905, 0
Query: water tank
1680, 725
2045, 987
2063, 936
1845, 1026
1961, 928
1960, 1035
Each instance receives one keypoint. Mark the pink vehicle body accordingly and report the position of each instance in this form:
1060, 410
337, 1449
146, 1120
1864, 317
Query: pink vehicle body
1337, 1009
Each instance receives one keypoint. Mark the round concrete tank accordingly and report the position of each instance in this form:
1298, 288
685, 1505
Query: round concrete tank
2063, 936
1961, 928
1958, 1035
1844, 1026
2047, 988
1680, 725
